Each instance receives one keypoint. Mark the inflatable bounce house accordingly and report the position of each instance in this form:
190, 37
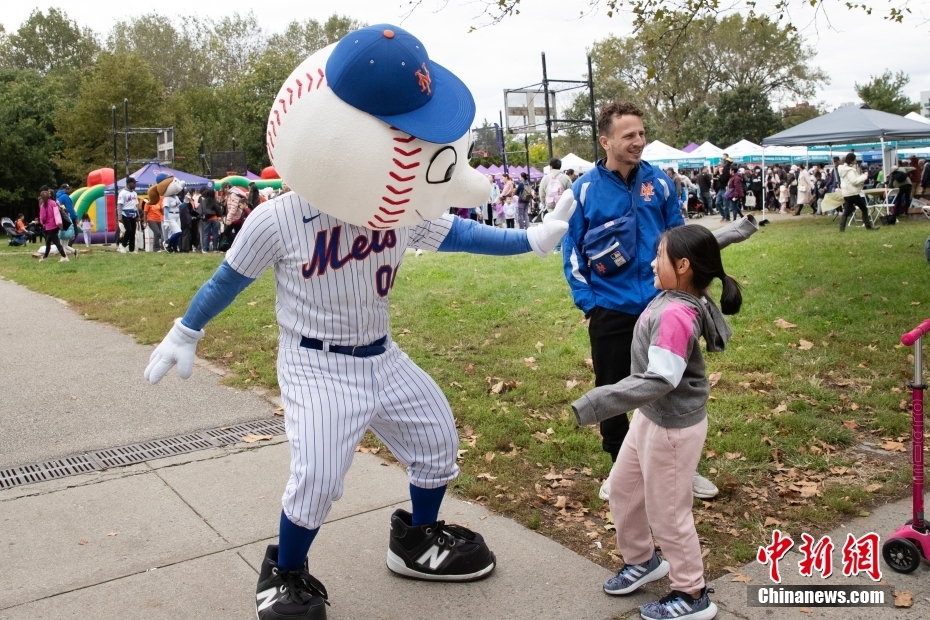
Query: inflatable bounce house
98, 198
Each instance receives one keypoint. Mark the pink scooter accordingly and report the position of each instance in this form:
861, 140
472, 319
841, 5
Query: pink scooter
903, 549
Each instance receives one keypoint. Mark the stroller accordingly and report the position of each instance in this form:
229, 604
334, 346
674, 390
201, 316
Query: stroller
695, 207
10, 228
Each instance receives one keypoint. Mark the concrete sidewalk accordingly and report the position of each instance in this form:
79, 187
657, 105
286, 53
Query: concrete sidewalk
183, 537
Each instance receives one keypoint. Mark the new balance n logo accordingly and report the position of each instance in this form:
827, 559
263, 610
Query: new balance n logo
434, 557
267, 598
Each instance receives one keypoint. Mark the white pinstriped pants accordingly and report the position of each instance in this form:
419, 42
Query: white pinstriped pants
331, 399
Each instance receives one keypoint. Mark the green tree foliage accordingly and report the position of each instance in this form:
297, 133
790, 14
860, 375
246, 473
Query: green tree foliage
86, 128
49, 42
175, 53
300, 39
797, 114
743, 113
28, 143
886, 93
678, 70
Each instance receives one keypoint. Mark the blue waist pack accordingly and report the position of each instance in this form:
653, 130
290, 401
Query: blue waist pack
611, 246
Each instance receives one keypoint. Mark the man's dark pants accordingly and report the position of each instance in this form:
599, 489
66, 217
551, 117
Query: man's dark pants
611, 335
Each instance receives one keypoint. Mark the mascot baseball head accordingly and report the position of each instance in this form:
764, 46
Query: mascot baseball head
165, 185
373, 132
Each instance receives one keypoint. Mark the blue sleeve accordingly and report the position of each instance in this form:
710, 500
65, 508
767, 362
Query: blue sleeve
470, 236
672, 207
577, 272
214, 296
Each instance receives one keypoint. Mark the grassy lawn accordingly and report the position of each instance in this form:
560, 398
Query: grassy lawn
808, 419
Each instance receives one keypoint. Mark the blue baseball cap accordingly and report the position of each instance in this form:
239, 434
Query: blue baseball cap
385, 71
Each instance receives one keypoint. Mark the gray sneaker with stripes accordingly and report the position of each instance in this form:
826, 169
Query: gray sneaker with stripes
680, 605
632, 576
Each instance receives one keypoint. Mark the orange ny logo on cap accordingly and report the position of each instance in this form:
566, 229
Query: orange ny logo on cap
424, 80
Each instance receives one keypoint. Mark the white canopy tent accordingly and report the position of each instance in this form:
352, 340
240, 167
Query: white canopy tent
658, 151
707, 151
573, 162
914, 116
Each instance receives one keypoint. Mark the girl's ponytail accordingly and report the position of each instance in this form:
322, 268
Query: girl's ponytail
731, 298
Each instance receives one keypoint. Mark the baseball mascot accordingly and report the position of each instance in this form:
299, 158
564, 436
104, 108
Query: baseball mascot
373, 138
166, 189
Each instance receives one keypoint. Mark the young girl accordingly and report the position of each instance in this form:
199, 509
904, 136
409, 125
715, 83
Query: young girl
651, 481
510, 211
783, 197
50, 218
86, 227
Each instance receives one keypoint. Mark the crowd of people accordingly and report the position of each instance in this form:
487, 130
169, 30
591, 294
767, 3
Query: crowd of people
200, 220
516, 203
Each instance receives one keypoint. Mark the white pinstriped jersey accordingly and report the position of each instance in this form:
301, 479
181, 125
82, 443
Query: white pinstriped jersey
332, 278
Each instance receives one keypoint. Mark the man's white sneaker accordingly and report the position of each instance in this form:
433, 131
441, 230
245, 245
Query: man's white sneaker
703, 488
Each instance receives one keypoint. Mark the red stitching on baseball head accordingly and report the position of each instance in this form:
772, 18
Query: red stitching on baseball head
283, 105
406, 140
395, 202
380, 219
291, 97
397, 177
320, 83
373, 225
405, 153
310, 84
406, 166
278, 117
383, 210
273, 130
394, 190
300, 87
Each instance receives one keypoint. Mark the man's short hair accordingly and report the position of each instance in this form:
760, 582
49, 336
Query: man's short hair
130, 180
555, 163
618, 108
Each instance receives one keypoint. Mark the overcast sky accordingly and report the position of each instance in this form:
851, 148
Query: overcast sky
849, 45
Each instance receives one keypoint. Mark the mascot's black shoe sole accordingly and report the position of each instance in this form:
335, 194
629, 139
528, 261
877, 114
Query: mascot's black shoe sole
288, 594
437, 551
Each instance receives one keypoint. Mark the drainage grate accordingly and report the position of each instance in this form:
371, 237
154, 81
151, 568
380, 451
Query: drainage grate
136, 453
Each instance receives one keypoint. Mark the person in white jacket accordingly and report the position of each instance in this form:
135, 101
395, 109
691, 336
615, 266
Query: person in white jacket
851, 182
805, 195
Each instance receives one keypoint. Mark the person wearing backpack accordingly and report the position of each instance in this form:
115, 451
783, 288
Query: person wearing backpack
524, 199
900, 178
50, 217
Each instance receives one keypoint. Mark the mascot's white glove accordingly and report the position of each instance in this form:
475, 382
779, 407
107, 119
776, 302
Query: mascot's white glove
543, 238
178, 347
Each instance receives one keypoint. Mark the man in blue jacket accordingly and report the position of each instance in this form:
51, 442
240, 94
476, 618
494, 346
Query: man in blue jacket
64, 199
640, 202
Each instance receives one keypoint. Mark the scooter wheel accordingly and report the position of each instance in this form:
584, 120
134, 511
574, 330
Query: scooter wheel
901, 555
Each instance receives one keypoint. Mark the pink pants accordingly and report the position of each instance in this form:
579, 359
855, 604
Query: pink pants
651, 485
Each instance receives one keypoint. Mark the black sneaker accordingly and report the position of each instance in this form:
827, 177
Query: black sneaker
288, 594
437, 551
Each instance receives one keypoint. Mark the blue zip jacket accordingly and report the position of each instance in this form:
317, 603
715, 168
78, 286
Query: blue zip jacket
603, 196
64, 200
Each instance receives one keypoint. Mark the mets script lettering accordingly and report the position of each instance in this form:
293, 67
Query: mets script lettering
326, 250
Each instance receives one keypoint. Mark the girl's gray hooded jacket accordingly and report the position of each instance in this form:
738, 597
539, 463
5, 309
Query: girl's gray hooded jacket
669, 382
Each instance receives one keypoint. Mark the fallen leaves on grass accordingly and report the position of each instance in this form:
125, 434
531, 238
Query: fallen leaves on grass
489, 457
470, 369
252, 438
782, 323
873, 487
539, 346
542, 437
278, 411
770, 521
805, 345
741, 578
714, 378
893, 446
572, 384
487, 476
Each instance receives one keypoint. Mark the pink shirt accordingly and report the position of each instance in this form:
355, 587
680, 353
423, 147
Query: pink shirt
47, 215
